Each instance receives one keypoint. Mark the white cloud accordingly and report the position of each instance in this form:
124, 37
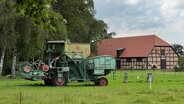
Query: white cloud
172, 4
132, 1
173, 8
144, 17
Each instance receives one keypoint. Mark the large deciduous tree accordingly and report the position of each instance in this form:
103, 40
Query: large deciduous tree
79, 15
37, 9
81, 24
22, 35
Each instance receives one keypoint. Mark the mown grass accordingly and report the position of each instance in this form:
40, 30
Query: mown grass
167, 88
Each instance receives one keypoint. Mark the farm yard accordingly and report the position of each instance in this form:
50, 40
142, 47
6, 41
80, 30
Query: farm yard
167, 88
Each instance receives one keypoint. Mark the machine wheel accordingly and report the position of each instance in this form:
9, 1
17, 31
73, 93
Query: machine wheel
55, 81
103, 81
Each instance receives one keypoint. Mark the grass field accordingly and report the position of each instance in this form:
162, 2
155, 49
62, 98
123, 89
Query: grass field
167, 88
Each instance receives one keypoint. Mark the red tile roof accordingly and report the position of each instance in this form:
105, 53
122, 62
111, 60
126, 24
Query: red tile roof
138, 46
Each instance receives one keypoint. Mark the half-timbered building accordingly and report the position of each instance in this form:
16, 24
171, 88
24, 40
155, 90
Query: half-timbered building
140, 52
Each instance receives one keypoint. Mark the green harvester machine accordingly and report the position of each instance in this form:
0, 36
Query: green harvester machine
67, 62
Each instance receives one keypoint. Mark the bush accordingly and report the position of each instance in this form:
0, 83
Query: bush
132, 67
176, 68
180, 65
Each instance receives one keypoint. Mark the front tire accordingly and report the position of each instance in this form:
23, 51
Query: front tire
56, 82
103, 81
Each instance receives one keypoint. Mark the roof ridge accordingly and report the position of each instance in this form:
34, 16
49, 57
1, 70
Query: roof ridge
134, 36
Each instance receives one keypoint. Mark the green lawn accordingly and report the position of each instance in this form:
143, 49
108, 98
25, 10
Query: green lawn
167, 88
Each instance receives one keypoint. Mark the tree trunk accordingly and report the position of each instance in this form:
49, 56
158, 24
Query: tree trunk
14, 62
2, 60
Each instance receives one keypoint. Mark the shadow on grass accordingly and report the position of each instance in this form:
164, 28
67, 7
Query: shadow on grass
69, 85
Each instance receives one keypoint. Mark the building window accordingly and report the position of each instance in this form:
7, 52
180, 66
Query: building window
139, 59
128, 60
162, 52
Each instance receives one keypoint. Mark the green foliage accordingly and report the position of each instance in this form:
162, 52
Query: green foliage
176, 68
78, 15
81, 25
132, 67
178, 48
32, 47
58, 22
7, 23
98, 30
28, 24
29, 43
20, 31
180, 65
38, 9
94, 48
7, 62
7, 29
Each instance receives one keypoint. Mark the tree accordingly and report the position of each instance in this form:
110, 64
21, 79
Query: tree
2, 59
81, 24
178, 48
180, 65
79, 15
58, 22
98, 32
19, 33
23, 33
7, 32
39, 11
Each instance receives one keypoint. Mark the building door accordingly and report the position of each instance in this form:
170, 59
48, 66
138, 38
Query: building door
163, 64
118, 63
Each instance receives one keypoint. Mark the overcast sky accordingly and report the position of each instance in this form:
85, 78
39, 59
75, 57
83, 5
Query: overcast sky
164, 18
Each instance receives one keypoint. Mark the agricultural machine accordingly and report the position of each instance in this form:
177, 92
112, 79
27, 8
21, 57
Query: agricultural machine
67, 62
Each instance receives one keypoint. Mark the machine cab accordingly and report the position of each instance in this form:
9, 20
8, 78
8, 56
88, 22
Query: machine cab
55, 52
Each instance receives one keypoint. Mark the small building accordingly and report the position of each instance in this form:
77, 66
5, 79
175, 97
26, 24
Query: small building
142, 52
